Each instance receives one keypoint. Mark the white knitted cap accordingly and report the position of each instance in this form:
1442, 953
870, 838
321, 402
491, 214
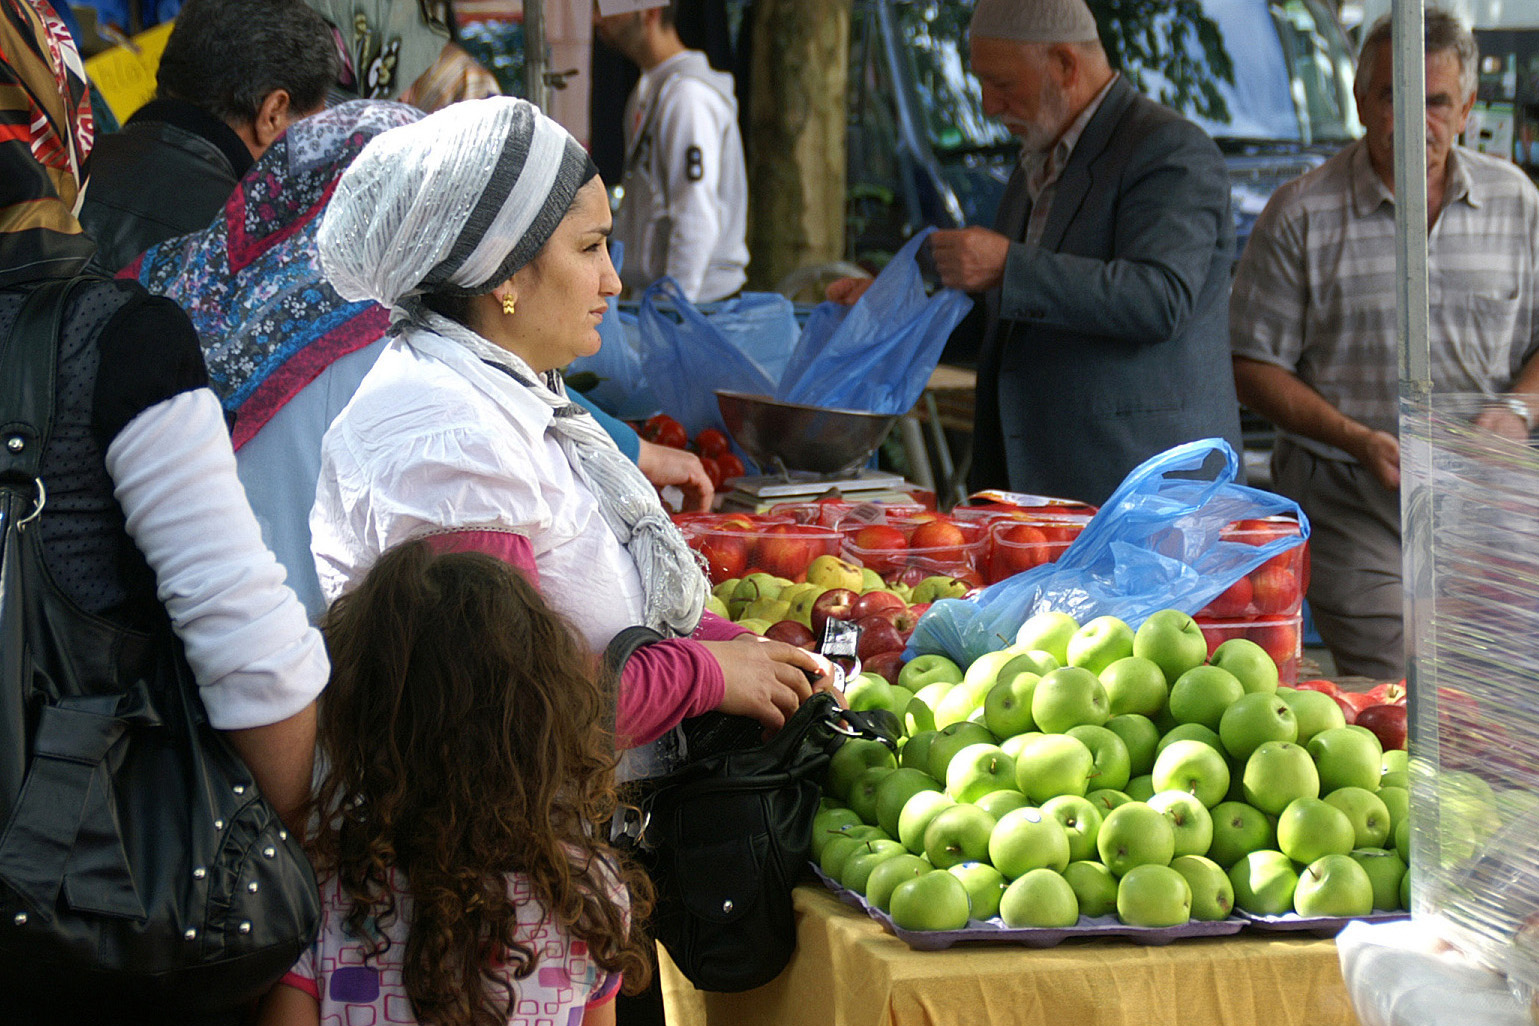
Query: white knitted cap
1034, 21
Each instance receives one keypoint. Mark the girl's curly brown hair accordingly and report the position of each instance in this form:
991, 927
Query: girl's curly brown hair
465, 738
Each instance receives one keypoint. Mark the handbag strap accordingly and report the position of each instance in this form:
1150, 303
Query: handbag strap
28, 368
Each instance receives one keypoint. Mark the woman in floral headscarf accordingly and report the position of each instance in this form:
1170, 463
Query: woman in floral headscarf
142, 494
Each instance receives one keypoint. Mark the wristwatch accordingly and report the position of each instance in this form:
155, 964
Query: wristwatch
1521, 408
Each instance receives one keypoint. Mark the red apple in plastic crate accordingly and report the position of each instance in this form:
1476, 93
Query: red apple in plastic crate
1276, 587
921, 545
771, 544
1018, 543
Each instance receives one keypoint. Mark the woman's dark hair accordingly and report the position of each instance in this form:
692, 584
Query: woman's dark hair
227, 56
465, 738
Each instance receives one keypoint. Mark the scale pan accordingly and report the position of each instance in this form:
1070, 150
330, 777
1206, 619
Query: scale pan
795, 437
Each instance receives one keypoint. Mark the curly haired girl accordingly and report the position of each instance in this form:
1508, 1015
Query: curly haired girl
468, 773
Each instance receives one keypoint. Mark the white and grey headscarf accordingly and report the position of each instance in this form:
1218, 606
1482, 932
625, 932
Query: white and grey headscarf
456, 203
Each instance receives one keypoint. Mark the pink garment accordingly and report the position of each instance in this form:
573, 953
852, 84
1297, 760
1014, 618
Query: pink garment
661, 684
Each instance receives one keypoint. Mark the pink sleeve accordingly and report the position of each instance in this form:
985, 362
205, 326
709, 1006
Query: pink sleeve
714, 628
661, 685
513, 549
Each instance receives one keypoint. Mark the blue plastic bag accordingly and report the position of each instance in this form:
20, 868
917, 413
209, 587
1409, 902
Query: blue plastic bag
877, 355
1154, 545
687, 359
761, 324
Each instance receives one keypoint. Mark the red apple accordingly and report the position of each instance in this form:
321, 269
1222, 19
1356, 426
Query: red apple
1348, 710
885, 664
1389, 693
879, 546
726, 555
906, 620
833, 604
1387, 723
786, 549
1359, 700
1327, 686
940, 539
877, 634
1281, 640
873, 602
1232, 602
1019, 547
1274, 589
792, 632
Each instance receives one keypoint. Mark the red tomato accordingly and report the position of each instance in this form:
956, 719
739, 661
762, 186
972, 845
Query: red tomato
730, 466
712, 470
711, 442
664, 430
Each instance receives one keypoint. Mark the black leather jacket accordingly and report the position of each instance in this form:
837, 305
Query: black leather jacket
167, 173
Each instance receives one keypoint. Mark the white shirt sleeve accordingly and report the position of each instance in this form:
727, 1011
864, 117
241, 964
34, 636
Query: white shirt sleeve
692, 130
256, 658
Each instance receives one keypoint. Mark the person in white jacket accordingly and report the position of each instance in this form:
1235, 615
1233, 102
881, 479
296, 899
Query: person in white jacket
684, 211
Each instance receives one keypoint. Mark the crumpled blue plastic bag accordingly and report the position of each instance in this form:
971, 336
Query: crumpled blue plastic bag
688, 358
761, 324
877, 355
1154, 545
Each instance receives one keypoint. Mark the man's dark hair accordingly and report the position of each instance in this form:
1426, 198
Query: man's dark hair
227, 56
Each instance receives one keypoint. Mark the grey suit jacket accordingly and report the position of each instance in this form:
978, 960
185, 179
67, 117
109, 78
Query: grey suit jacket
1109, 341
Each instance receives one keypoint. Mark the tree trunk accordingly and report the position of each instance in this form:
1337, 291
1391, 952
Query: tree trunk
796, 182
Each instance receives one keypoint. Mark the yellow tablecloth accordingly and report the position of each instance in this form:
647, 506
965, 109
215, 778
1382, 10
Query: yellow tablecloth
849, 972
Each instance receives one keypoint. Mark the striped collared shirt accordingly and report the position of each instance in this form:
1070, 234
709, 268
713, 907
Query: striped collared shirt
1315, 291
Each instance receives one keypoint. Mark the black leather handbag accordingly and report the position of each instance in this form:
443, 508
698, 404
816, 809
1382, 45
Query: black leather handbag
139, 865
725, 837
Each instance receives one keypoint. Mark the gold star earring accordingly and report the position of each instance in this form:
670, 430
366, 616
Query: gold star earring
508, 305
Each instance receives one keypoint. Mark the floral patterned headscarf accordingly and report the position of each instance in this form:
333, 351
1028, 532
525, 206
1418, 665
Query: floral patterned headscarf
45, 135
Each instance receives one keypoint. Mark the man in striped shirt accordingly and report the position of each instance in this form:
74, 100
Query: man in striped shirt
1312, 327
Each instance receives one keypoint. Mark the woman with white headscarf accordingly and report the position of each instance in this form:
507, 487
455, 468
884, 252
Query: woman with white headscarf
484, 229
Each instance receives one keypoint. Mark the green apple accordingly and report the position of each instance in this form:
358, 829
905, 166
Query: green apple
1105, 799
1190, 821
1249, 663
852, 759
959, 833
828, 824
772, 609
1094, 886
997, 803
1276, 774
1140, 789
801, 605
915, 753
889, 874
1397, 802
1405, 890
1135, 834
893, 793
724, 591
1346, 758
1154, 895
1311, 827
1113, 763
1403, 840
870, 580
1172, 640
1068, 697
840, 848
1135, 685
962, 700
1189, 732
754, 624
932, 693
1140, 736
1201, 694
936, 587
717, 606
926, 669
1254, 719
1028, 839
1007, 706
1081, 821
952, 739
915, 818
1314, 711
1238, 830
1264, 882
1049, 632
1385, 870
1395, 760
858, 866
869, 691
1193, 767
933, 901
832, 572
1053, 764
1099, 643
985, 885
978, 769
862, 796
1012, 746
754, 586
1039, 898
917, 717
1370, 818
1333, 885
1212, 893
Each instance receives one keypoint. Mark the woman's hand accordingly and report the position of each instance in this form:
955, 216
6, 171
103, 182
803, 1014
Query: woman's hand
664, 466
766, 679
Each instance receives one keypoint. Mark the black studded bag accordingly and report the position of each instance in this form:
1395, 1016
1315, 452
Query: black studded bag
139, 866
725, 837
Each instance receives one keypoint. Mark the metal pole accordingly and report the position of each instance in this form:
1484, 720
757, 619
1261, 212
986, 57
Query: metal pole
1411, 198
536, 56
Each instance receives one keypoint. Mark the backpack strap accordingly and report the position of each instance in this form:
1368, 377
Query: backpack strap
28, 369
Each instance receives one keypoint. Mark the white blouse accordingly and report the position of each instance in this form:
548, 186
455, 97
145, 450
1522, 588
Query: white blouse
436, 440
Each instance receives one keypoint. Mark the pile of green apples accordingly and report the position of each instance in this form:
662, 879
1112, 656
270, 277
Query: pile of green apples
1093, 770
